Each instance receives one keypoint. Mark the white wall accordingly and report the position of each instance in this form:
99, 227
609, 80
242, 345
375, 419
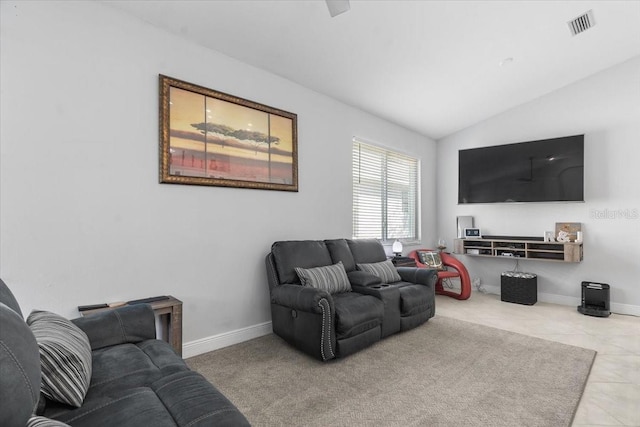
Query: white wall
83, 218
606, 108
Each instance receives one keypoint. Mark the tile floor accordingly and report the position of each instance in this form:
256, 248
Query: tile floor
612, 394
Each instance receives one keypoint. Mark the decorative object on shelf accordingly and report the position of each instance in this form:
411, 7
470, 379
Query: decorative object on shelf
462, 223
442, 244
549, 236
212, 138
472, 233
396, 248
579, 236
571, 228
563, 236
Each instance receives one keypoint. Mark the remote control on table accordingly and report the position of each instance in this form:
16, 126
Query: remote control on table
91, 307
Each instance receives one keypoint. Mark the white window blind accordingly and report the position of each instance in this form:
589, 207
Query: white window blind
385, 194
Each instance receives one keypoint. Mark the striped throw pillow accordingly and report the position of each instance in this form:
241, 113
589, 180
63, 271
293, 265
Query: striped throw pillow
385, 270
331, 278
37, 421
65, 357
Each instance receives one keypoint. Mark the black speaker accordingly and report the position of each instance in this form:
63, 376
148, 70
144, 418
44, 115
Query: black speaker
595, 299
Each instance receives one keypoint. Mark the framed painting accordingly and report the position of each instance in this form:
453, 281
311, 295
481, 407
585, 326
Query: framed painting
212, 138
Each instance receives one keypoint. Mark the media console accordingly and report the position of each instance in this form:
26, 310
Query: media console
519, 248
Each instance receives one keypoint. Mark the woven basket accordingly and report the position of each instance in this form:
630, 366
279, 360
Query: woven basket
518, 287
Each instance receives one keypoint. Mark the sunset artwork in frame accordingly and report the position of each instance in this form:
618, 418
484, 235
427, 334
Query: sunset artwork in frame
212, 138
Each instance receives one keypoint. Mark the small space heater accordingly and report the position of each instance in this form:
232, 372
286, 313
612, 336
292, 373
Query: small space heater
595, 299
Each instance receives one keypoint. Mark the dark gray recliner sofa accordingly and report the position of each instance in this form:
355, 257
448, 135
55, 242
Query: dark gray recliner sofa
326, 325
137, 380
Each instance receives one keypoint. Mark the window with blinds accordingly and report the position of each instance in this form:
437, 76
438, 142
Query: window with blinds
385, 194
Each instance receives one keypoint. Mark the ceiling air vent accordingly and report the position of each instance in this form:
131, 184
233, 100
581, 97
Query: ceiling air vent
582, 23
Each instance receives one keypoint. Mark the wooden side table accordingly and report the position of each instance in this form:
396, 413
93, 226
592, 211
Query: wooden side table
169, 311
403, 262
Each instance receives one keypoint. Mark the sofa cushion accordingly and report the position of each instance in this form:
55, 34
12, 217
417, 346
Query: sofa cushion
356, 313
7, 298
19, 369
414, 299
367, 251
132, 407
132, 365
331, 278
126, 324
193, 401
385, 270
65, 357
298, 253
180, 399
339, 250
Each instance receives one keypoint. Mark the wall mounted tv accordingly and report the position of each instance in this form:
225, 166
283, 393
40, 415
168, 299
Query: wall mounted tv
550, 170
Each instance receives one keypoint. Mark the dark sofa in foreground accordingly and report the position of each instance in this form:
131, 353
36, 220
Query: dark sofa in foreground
136, 380
335, 297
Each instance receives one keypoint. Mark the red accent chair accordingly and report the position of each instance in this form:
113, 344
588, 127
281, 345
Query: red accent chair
453, 268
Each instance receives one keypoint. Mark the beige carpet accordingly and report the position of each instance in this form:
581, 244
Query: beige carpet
444, 373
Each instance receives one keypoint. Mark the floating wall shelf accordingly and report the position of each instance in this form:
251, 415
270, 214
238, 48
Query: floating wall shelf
520, 249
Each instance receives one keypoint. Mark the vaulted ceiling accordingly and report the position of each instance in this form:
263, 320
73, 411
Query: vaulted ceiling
435, 67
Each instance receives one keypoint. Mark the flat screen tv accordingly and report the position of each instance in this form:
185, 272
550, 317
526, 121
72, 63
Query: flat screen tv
550, 170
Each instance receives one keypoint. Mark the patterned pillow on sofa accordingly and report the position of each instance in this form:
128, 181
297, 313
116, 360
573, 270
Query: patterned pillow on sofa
385, 270
331, 278
38, 421
65, 357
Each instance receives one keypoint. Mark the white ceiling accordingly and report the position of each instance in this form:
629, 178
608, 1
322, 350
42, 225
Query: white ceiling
430, 66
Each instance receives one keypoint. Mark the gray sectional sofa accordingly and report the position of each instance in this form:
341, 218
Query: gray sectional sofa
332, 298
136, 380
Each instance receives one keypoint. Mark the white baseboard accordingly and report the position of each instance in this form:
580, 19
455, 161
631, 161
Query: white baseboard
632, 310
493, 290
628, 309
215, 342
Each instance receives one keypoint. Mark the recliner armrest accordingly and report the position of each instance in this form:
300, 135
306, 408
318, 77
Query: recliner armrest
421, 276
128, 324
301, 298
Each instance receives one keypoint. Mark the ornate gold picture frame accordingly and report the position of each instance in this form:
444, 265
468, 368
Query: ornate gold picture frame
212, 138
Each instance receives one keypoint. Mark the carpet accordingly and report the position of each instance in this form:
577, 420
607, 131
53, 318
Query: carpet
446, 372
